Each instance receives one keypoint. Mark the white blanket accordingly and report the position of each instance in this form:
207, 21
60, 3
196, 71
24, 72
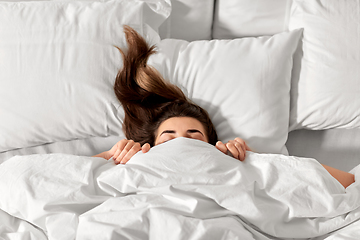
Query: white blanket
182, 189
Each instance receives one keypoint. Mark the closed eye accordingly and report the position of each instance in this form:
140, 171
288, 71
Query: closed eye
189, 131
194, 131
167, 131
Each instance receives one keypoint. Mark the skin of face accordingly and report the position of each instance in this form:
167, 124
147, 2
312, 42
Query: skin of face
180, 127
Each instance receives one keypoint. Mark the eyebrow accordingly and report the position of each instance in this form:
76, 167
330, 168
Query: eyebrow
167, 131
189, 130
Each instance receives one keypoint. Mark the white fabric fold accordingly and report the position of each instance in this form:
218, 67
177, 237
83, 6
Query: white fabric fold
181, 189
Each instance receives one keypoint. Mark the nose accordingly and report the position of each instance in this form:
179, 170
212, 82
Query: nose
184, 134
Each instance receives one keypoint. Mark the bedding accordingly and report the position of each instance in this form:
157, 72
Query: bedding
181, 189
326, 89
58, 63
84, 147
13, 228
338, 148
189, 20
48, 100
244, 84
250, 18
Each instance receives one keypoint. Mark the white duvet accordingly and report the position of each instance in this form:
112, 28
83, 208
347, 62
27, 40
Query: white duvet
182, 189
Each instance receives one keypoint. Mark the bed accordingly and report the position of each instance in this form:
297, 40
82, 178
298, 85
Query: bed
282, 74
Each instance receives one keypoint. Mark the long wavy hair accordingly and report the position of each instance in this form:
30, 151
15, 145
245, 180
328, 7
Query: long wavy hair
147, 98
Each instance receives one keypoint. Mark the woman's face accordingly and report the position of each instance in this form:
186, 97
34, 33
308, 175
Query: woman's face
180, 127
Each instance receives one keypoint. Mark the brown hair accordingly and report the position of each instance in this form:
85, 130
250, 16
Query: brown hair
147, 98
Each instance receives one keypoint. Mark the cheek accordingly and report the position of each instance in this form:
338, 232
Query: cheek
200, 137
157, 141
204, 139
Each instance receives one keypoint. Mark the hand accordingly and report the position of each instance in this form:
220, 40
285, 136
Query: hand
236, 147
123, 150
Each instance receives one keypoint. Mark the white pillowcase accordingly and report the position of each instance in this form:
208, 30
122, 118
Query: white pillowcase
326, 94
244, 84
189, 20
244, 18
58, 64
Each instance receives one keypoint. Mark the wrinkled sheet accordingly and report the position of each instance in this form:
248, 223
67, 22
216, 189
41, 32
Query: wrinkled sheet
181, 189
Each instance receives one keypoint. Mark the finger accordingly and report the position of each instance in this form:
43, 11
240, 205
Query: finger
120, 144
237, 150
241, 141
241, 148
241, 151
119, 148
248, 148
232, 149
116, 155
221, 146
145, 148
244, 147
125, 150
135, 149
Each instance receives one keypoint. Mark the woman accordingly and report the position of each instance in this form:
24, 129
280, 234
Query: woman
157, 111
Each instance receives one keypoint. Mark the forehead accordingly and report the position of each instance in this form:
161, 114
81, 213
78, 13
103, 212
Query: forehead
181, 123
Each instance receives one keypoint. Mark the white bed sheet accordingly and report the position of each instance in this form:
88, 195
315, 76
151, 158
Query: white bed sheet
81, 147
182, 189
339, 148
15, 228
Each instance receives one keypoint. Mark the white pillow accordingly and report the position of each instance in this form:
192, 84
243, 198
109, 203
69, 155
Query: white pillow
189, 20
244, 18
244, 84
58, 64
326, 93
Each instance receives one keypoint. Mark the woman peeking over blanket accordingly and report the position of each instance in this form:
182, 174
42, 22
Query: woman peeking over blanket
157, 111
